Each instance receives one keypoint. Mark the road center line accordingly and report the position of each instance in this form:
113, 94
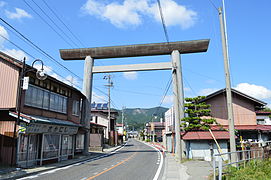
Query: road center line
92, 177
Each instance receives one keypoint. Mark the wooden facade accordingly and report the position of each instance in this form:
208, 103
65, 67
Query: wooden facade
64, 118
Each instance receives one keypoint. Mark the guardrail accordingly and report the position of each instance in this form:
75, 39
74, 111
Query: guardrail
224, 160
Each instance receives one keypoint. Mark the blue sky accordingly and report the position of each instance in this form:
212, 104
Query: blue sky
122, 22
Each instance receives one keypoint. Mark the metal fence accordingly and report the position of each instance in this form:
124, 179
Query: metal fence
221, 161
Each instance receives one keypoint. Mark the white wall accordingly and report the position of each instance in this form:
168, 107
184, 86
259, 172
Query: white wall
266, 118
102, 120
201, 149
169, 119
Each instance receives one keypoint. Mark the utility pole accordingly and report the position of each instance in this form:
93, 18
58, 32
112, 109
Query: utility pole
228, 86
109, 85
122, 120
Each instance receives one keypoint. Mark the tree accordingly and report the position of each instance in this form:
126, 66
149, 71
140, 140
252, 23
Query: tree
198, 115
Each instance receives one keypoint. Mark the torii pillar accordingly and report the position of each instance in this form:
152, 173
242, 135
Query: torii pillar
173, 48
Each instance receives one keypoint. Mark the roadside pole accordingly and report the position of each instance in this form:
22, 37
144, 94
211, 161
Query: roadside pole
228, 87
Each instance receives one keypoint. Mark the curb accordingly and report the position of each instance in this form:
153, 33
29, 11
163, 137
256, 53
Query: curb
60, 166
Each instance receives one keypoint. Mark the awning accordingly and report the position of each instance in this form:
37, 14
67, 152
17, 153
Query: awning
44, 120
39, 125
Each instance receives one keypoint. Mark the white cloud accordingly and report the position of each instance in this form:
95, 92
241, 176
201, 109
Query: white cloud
186, 89
2, 3
72, 81
168, 99
3, 32
259, 92
131, 12
17, 54
47, 69
97, 98
174, 14
20, 13
207, 91
130, 75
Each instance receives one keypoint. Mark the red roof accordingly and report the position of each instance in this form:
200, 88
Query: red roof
245, 127
262, 113
205, 135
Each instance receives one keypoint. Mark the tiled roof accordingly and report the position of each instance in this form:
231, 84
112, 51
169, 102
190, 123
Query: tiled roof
205, 135
246, 127
263, 113
257, 101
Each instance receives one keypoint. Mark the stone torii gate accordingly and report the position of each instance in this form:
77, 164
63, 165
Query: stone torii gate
173, 48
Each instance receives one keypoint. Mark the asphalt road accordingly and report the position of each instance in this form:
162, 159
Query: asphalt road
134, 161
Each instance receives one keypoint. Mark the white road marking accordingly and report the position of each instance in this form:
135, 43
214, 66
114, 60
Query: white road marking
161, 162
29, 177
83, 178
105, 169
95, 173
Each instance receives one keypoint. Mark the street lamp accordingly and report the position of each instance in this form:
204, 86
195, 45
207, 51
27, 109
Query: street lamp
40, 74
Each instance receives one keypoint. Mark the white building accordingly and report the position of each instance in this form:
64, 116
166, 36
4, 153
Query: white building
263, 118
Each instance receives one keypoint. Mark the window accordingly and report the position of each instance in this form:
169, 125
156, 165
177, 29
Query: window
50, 146
75, 107
79, 141
41, 98
260, 121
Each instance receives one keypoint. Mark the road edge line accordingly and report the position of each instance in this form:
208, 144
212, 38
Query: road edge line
161, 162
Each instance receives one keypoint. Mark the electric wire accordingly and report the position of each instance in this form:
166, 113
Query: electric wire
37, 47
164, 96
163, 20
63, 78
65, 34
63, 23
47, 23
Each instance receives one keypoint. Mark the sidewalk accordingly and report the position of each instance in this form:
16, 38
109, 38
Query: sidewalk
189, 170
14, 173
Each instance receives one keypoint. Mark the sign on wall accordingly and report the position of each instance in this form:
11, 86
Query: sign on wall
48, 128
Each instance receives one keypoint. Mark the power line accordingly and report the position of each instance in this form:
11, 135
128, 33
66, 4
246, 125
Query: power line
163, 20
212, 3
36, 58
16, 46
37, 47
47, 23
63, 23
54, 23
164, 96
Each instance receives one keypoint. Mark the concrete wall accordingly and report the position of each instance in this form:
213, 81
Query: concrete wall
243, 109
201, 149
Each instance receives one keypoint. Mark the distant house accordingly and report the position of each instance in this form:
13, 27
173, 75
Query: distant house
263, 118
244, 107
246, 112
250, 122
51, 127
155, 128
99, 115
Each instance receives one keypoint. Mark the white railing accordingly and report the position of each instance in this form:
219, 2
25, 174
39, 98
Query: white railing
220, 161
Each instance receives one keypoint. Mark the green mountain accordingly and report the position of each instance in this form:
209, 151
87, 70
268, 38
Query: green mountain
138, 117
